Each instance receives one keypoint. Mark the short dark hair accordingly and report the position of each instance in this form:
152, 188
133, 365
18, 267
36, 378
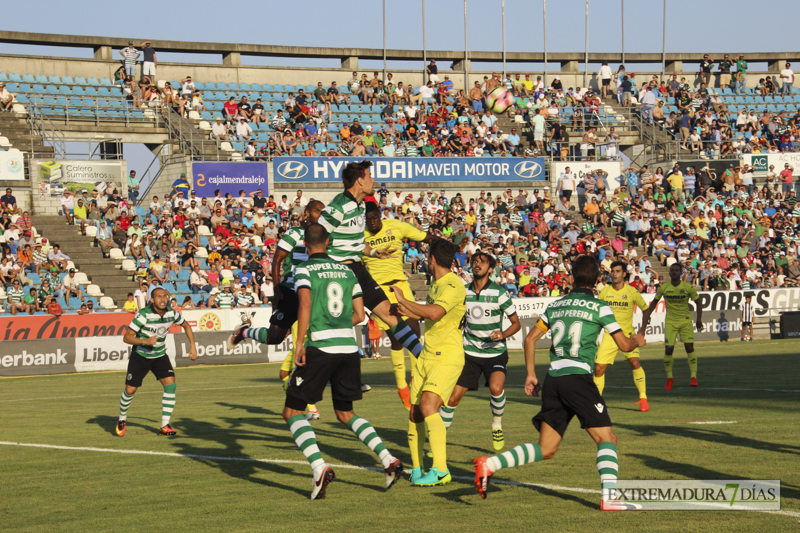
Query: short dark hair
490, 259
620, 264
315, 235
444, 252
585, 270
353, 171
372, 209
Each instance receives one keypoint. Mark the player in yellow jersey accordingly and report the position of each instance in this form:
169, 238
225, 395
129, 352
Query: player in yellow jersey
440, 364
623, 299
388, 273
676, 295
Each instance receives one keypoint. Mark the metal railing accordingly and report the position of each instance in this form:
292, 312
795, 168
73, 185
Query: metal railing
42, 126
68, 112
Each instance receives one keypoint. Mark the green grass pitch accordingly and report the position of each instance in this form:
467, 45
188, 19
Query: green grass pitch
208, 477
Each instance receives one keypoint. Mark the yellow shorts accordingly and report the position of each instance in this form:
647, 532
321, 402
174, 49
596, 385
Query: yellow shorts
608, 349
288, 363
431, 375
671, 332
387, 289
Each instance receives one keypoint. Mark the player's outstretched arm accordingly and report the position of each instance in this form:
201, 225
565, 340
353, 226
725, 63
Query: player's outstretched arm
303, 319
536, 333
189, 333
627, 344
417, 311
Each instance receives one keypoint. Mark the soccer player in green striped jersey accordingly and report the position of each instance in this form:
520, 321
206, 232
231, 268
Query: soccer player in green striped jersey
485, 350
147, 333
224, 299
676, 295
344, 218
330, 304
576, 321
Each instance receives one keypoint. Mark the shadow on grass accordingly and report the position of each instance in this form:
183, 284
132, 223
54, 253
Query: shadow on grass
700, 472
109, 423
710, 435
469, 495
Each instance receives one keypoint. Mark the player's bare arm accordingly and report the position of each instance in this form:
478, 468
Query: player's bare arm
131, 338
531, 383
189, 333
358, 311
646, 316
380, 254
515, 326
432, 312
699, 320
627, 344
303, 318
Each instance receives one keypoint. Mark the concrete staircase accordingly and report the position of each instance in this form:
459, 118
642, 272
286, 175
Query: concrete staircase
18, 131
113, 282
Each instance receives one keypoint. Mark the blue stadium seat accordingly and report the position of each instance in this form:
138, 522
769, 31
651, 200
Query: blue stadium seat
75, 101
277, 88
12, 87
80, 80
65, 90
183, 275
208, 96
200, 86
93, 81
289, 88
13, 76
28, 78
3, 76
196, 298
266, 87
263, 136
106, 82
41, 78
168, 285
222, 86
233, 86
67, 80
239, 147
244, 87
256, 87
25, 88
34, 277
79, 91
39, 89
219, 95
183, 288
104, 91
91, 91
205, 115
209, 86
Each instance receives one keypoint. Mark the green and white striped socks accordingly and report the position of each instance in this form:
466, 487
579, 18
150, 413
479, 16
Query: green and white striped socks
124, 402
518, 456
367, 434
304, 437
167, 403
257, 334
498, 405
608, 467
406, 336
447, 413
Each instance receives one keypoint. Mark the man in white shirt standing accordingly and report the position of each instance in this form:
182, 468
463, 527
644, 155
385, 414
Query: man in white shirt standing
648, 101
426, 93
566, 184
604, 78
538, 131
787, 79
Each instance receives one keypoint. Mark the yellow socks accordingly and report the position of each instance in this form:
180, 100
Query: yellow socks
399, 365
416, 442
600, 381
692, 363
437, 436
668, 360
639, 380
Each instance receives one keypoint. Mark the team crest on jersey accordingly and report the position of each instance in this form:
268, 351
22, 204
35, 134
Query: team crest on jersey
489, 299
683, 292
388, 233
624, 296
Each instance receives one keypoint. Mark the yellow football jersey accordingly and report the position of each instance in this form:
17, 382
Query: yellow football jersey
443, 339
623, 302
391, 235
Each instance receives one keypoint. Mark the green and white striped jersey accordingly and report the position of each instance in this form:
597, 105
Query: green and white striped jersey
245, 300
333, 288
292, 243
225, 300
344, 219
15, 295
147, 323
485, 311
576, 321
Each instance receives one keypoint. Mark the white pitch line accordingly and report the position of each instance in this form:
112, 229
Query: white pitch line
704, 422
792, 514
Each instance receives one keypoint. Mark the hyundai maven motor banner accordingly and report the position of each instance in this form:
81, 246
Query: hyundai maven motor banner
412, 169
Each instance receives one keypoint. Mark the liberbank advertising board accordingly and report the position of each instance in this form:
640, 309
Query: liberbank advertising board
413, 169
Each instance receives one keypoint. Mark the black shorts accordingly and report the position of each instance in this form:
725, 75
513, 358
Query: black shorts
566, 396
474, 367
139, 366
747, 324
566, 194
342, 371
285, 315
373, 294
606, 82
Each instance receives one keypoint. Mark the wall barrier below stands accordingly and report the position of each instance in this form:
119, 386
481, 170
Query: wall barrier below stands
48, 345
413, 170
762, 162
12, 166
